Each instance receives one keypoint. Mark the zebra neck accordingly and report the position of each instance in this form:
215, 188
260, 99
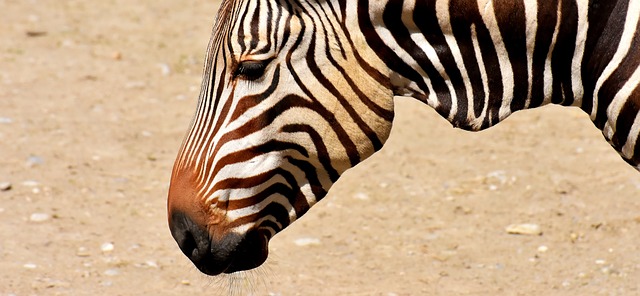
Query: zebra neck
478, 61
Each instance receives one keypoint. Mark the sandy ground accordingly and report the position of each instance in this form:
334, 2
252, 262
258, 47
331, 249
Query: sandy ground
95, 97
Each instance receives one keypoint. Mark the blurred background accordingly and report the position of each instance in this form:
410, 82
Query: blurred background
95, 98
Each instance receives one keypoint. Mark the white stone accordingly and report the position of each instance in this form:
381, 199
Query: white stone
543, 249
39, 217
107, 247
5, 186
165, 69
525, 229
306, 241
82, 252
361, 196
30, 183
112, 272
30, 266
151, 263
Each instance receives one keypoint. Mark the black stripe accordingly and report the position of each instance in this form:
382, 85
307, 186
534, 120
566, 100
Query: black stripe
255, 27
510, 15
562, 57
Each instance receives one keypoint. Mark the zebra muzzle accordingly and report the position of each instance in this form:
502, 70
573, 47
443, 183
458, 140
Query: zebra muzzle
227, 253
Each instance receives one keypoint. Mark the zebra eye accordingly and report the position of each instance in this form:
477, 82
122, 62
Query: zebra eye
251, 69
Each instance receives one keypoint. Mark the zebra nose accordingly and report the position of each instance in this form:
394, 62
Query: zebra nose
230, 253
194, 241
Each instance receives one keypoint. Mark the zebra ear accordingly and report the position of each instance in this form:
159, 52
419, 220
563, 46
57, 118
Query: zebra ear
251, 69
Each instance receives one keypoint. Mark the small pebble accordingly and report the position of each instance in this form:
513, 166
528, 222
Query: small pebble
165, 69
543, 249
30, 183
525, 229
185, 282
574, 237
600, 261
361, 196
500, 176
82, 252
112, 272
53, 283
5, 120
5, 186
34, 161
107, 247
135, 84
29, 266
39, 217
306, 241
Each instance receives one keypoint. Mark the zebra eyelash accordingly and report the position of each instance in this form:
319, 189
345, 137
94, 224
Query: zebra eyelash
251, 70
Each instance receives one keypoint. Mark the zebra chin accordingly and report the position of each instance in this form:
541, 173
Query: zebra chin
226, 253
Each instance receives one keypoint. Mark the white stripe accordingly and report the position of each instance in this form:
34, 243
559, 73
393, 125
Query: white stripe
548, 74
531, 17
576, 65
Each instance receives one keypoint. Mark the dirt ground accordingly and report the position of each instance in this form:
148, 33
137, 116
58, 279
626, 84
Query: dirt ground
95, 97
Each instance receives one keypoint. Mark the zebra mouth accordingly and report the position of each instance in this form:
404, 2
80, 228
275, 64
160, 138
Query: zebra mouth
251, 252
231, 253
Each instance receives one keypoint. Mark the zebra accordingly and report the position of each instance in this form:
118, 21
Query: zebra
295, 92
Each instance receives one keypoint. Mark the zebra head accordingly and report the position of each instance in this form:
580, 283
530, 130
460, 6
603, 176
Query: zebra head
289, 101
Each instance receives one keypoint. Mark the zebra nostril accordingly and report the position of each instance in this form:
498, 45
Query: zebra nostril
192, 239
189, 246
